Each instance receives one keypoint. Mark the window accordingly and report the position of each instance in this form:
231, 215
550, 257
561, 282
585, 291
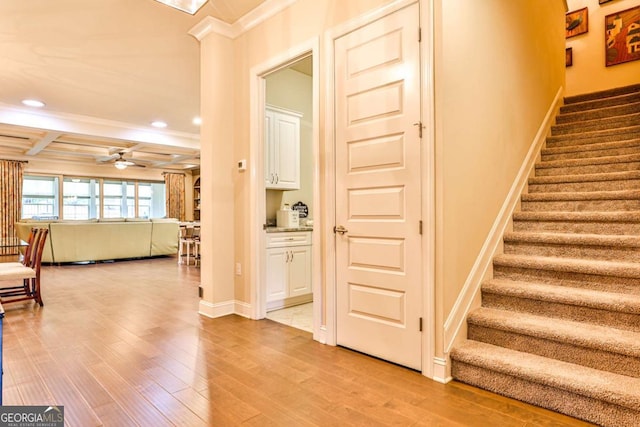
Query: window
80, 198
89, 198
115, 202
151, 200
40, 197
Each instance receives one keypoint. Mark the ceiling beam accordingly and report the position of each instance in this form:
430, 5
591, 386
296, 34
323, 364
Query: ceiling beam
42, 144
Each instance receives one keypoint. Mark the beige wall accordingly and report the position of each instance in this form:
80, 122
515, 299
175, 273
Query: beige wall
589, 73
304, 20
499, 65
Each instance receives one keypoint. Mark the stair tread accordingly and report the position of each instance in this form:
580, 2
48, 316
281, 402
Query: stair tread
614, 388
581, 334
584, 297
575, 138
582, 195
587, 177
612, 121
573, 265
602, 94
604, 112
627, 241
594, 104
593, 216
596, 146
603, 160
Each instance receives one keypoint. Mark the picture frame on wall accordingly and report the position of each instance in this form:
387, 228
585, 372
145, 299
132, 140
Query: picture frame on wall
568, 60
622, 36
577, 22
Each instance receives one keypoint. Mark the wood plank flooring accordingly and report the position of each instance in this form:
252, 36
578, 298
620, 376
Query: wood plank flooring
121, 344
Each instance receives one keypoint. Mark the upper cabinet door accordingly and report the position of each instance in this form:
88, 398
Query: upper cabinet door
282, 154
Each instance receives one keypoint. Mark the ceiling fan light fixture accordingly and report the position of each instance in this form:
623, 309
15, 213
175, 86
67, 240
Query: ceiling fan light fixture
159, 124
33, 103
120, 164
189, 6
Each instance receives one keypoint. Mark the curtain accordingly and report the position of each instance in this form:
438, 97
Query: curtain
11, 173
174, 183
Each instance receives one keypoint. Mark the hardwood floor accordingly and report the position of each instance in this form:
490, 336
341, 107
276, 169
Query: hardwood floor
121, 344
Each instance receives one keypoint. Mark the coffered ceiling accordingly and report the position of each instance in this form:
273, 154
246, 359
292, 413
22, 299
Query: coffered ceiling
105, 70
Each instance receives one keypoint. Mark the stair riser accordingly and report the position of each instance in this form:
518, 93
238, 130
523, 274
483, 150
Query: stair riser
600, 103
622, 228
587, 169
604, 113
609, 253
545, 396
591, 357
602, 137
625, 285
617, 185
558, 310
581, 205
597, 125
632, 148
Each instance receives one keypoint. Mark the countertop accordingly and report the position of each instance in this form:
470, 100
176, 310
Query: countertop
283, 229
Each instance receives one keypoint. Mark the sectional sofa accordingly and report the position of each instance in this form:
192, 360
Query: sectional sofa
105, 239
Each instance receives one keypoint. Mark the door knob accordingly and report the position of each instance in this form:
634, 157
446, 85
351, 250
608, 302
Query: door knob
339, 229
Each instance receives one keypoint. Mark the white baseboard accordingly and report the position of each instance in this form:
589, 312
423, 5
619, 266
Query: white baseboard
225, 308
467, 297
441, 370
243, 309
218, 309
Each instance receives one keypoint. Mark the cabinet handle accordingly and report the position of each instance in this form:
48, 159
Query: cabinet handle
277, 178
291, 256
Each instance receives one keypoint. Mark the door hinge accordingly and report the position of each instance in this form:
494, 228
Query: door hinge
419, 34
420, 226
421, 324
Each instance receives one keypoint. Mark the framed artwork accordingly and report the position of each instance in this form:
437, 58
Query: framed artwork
568, 59
622, 36
577, 22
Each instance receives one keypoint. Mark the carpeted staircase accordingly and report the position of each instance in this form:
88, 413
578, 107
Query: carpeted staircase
559, 325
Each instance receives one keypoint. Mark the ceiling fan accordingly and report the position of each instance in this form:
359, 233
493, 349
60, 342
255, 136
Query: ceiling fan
121, 163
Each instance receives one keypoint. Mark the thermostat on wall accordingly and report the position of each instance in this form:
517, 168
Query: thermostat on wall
242, 165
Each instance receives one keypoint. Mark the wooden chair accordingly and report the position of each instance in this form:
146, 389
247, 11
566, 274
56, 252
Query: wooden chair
28, 271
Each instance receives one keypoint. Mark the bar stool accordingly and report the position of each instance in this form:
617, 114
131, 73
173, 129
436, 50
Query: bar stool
188, 248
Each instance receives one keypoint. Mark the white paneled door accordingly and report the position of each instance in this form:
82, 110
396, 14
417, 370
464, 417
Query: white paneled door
378, 194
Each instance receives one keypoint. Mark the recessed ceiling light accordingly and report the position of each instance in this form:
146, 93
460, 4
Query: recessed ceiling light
197, 121
33, 103
159, 124
189, 6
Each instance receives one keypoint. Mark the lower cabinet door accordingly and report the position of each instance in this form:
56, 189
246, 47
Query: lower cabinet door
277, 273
299, 270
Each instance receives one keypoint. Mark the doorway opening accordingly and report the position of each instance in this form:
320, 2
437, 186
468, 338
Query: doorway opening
285, 146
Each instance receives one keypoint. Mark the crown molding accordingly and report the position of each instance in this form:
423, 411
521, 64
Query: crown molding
255, 17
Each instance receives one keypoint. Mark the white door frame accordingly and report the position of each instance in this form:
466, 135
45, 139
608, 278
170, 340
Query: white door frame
427, 171
257, 202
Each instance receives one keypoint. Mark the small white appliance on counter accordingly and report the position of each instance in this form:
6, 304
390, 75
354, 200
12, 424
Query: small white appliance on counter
287, 217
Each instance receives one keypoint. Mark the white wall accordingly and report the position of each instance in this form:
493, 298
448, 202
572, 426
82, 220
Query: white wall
589, 73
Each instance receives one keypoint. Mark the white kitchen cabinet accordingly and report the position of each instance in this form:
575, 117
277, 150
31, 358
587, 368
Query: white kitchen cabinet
288, 269
282, 149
